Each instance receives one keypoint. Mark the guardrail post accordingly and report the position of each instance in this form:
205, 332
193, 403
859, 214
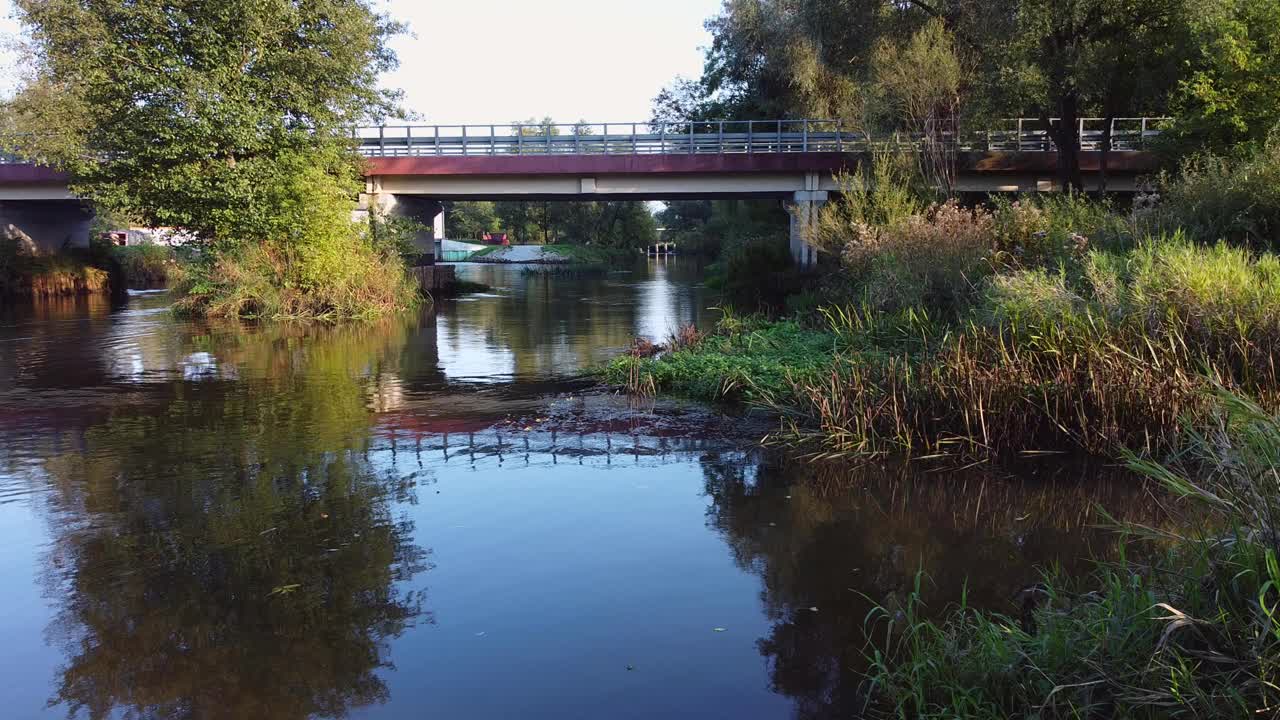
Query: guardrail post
493, 140
778, 140
605, 143
1142, 135
690, 137
464, 140
1019, 149
804, 143
519, 139
382, 140
633, 138
577, 140
436, 130
548, 138
720, 139
750, 140
839, 136
408, 140
662, 137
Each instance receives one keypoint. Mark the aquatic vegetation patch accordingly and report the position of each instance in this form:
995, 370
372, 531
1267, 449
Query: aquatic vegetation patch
1191, 631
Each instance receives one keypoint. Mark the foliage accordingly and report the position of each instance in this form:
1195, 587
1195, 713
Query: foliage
1231, 97
1215, 197
612, 223
227, 120
148, 265
470, 220
709, 228
934, 259
65, 273
925, 104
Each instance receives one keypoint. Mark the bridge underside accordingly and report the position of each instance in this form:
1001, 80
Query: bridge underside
414, 186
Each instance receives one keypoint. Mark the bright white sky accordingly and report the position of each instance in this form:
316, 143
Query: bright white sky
496, 61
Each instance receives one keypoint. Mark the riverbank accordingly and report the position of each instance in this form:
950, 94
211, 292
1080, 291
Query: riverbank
1183, 624
1048, 324
29, 275
1114, 361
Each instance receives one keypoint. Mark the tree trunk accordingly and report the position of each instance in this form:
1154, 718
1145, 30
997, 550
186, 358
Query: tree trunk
1066, 139
1104, 156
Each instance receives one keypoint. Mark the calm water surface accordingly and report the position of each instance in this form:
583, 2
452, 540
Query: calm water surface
439, 517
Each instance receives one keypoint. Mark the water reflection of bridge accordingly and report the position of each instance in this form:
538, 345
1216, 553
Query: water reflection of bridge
539, 447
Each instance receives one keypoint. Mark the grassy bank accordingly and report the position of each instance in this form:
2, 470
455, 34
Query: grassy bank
1191, 631
1047, 324
74, 272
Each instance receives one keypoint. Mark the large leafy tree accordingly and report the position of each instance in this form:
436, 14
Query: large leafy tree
1231, 97
181, 111
862, 60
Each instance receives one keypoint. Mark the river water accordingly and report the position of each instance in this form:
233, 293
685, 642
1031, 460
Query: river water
438, 516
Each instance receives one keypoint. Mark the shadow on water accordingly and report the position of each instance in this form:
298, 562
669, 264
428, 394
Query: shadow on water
393, 519
831, 543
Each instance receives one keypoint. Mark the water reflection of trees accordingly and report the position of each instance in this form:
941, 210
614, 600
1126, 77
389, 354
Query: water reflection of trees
843, 540
554, 324
233, 553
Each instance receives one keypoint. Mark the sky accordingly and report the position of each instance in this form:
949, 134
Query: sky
498, 61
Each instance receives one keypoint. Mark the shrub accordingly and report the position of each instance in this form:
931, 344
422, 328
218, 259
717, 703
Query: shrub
305, 257
1217, 198
1054, 230
934, 260
147, 264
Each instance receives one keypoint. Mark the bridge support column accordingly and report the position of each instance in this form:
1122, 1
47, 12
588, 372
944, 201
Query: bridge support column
804, 213
427, 212
52, 225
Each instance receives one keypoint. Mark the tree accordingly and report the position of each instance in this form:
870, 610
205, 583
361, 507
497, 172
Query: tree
928, 104
470, 220
1231, 96
229, 119
1061, 60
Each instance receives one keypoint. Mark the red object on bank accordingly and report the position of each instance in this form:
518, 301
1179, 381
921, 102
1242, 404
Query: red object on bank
495, 239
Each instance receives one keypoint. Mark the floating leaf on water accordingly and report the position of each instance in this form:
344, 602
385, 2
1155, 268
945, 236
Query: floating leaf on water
480, 634
284, 589
813, 609
719, 629
631, 667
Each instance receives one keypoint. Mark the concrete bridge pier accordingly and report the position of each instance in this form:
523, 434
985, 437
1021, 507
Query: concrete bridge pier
52, 225
804, 214
427, 212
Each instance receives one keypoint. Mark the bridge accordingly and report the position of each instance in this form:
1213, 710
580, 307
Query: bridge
413, 169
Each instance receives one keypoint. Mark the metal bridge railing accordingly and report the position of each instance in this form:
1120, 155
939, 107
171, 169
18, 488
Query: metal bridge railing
725, 137
721, 137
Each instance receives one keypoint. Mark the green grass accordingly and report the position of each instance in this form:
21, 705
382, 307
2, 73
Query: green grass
484, 252
1191, 630
747, 361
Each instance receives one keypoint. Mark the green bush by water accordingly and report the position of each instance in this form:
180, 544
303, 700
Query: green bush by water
148, 265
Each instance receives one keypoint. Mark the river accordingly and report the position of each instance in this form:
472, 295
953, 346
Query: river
439, 516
